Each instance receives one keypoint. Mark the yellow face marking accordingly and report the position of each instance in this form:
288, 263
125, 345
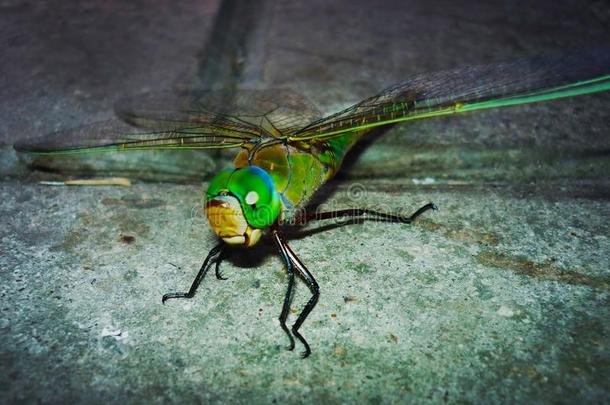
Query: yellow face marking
227, 221
226, 217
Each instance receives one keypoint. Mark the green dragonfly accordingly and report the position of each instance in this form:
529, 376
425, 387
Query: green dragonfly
286, 151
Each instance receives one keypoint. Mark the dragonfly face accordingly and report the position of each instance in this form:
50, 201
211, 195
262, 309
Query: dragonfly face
241, 203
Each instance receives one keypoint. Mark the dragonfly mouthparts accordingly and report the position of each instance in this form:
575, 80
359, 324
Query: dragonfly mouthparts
227, 219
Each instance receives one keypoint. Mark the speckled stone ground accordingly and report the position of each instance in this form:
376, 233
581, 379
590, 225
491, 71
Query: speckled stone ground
500, 295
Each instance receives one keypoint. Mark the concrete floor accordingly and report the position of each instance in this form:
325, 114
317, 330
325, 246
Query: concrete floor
500, 295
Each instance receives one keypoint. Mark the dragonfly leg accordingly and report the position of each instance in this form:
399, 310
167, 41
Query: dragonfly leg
279, 240
214, 256
359, 212
315, 290
219, 259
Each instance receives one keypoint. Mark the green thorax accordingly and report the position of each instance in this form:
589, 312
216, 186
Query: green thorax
298, 170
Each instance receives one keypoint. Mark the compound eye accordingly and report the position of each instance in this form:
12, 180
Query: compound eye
255, 190
219, 185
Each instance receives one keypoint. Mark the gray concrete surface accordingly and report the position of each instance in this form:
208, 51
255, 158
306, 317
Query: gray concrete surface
500, 296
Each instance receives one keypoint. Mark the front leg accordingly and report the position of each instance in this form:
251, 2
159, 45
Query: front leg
215, 255
218, 260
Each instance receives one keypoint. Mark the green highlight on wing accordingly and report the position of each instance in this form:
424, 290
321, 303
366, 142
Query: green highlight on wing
590, 86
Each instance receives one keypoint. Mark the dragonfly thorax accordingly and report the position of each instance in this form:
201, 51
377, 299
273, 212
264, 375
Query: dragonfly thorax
241, 203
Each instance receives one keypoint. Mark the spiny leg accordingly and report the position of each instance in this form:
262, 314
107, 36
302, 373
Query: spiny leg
209, 260
308, 277
359, 212
287, 298
315, 290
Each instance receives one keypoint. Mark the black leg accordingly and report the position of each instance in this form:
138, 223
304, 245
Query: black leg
315, 290
217, 250
359, 212
287, 298
219, 259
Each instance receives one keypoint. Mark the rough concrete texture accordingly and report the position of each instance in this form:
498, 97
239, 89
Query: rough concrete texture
500, 295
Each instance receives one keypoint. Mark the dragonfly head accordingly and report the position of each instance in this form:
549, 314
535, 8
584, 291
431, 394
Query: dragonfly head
241, 203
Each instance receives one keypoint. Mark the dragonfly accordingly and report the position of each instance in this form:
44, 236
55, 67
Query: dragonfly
285, 151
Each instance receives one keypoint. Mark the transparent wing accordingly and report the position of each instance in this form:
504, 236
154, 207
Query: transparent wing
470, 88
281, 110
114, 136
196, 120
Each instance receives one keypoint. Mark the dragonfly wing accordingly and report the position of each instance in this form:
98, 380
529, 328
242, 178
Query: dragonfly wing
274, 111
184, 121
113, 136
293, 111
470, 88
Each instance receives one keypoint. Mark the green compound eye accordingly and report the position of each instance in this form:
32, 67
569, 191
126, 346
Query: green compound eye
254, 189
257, 195
219, 183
